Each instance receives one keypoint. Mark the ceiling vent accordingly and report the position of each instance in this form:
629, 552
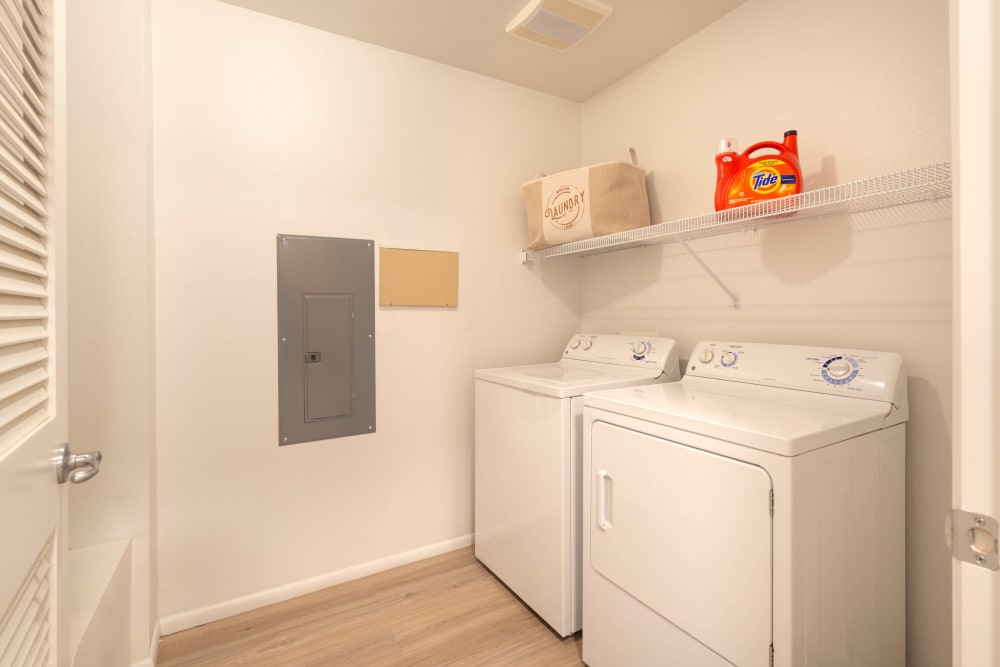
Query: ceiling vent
558, 24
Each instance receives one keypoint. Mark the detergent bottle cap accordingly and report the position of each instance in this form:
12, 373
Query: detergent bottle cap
726, 145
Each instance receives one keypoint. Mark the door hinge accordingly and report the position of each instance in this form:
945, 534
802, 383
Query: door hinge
770, 657
770, 503
972, 538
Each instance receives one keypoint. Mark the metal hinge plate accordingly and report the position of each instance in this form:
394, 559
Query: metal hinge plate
972, 538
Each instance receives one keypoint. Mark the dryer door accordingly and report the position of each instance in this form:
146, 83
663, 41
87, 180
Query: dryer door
688, 533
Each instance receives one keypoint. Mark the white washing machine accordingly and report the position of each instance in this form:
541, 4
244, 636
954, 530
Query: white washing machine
528, 463
751, 514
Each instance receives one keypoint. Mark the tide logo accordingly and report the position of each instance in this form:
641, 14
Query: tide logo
765, 180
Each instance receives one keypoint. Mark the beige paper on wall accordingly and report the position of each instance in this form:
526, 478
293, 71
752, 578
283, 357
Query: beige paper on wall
418, 278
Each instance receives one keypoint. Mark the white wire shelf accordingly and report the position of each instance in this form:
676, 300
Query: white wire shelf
926, 183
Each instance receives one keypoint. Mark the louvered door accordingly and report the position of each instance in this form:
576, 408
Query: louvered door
32, 358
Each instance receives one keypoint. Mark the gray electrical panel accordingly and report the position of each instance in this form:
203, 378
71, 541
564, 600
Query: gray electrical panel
326, 338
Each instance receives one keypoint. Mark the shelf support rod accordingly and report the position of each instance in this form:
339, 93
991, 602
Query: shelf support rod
710, 272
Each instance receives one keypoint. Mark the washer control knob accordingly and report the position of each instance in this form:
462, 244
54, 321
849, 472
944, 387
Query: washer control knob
728, 358
640, 348
575, 343
839, 368
706, 355
587, 343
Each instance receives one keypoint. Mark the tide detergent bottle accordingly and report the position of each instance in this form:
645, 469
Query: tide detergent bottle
766, 170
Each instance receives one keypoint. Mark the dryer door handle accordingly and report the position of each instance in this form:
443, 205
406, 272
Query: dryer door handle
605, 498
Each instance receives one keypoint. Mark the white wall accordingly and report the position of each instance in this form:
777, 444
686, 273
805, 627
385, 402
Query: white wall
110, 327
265, 127
866, 85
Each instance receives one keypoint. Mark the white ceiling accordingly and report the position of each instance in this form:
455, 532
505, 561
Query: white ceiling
471, 35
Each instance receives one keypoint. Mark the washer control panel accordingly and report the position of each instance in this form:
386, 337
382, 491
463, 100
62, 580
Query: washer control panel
861, 373
636, 351
840, 369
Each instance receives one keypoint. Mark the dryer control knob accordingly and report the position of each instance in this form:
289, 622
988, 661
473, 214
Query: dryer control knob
587, 343
575, 343
640, 348
706, 355
728, 358
839, 368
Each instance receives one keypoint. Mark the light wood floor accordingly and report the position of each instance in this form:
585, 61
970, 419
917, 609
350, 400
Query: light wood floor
446, 610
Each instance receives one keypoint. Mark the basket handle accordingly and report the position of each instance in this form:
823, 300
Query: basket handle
630, 156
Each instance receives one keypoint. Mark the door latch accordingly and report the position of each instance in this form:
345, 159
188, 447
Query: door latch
972, 538
76, 468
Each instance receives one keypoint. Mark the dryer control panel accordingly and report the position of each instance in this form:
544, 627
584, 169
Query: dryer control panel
859, 373
635, 351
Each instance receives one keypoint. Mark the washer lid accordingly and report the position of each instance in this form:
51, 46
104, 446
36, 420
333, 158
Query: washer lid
782, 421
568, 378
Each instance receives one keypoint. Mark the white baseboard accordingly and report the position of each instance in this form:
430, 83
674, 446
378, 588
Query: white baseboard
154, 649
195, 617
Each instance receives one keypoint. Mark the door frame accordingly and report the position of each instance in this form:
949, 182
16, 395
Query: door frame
975, 68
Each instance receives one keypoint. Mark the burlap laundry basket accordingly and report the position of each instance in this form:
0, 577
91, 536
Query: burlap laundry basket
586, 202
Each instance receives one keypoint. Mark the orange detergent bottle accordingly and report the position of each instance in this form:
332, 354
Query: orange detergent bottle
756, 175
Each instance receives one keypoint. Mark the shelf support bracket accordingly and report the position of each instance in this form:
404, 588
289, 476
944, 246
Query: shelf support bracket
710, 272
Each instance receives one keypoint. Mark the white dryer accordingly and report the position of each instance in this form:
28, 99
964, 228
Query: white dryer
751, 514
528, 486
